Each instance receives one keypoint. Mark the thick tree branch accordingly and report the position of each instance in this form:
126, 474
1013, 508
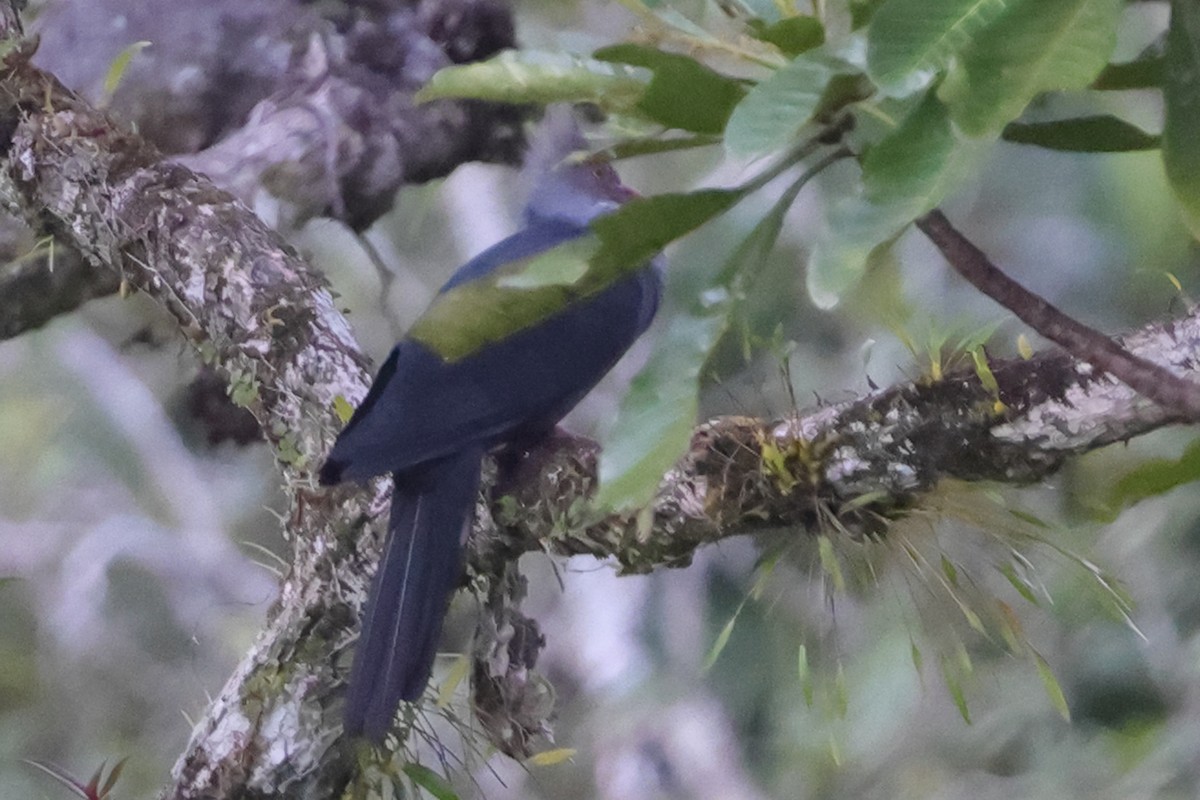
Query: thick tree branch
337, 135
341, 135
743, 474
256, 311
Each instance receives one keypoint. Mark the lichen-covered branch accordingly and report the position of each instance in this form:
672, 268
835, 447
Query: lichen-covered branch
255, 310
335, 132
861, 461
341, 134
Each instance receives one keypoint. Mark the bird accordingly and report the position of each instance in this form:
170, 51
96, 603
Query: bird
429, 420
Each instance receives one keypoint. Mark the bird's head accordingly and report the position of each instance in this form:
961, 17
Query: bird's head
567, 183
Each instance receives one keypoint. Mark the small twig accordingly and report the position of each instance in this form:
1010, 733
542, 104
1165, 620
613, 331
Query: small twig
1087, 344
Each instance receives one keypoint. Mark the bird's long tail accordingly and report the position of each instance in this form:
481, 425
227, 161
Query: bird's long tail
421, 566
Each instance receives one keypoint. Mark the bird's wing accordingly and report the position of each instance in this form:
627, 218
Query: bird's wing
423, 407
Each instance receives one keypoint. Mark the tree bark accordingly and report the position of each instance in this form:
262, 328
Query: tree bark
296, 114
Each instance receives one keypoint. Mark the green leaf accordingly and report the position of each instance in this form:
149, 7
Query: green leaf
841, 692
1096, 134
835, 751
952, 675
1114, 599
1050, 683
983, 370
116, 70
1009, 625
1036, 46
683, 93
631, 148
527, 76
950, 571
722, 639
909, 40
430, 781
792, 35
830, 564
548, 758
640, 229
912, 159
693, 33
655, 422
564, 265
906, 174
343, 409
469, 315
861, 12
765, 568
1023, 587
243, 389
855, 226
1181, 144
1148, 72
804, 672
1029, 518
775, 111
970, 615
1156, 477
457, 673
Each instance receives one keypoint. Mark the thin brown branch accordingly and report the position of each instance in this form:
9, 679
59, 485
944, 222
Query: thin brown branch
1150, 379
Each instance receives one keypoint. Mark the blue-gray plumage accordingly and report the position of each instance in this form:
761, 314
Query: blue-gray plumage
429, 422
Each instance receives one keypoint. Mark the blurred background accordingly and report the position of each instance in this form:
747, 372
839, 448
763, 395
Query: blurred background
140, 552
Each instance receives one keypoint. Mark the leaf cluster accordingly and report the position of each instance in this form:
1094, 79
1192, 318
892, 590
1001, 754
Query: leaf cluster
916, 92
